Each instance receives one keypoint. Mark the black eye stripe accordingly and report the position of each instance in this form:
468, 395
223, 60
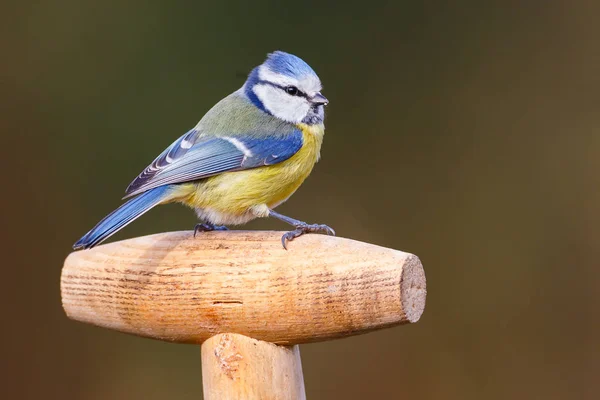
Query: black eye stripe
299, 93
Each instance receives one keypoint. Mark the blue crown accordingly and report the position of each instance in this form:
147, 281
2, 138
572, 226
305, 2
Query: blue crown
288, 64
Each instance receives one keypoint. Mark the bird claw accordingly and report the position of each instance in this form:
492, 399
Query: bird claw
305, 228
208, 227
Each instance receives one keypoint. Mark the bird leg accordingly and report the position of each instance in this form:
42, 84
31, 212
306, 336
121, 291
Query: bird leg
301, 228
207, 227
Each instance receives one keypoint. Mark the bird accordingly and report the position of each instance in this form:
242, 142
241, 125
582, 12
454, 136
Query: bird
248, 154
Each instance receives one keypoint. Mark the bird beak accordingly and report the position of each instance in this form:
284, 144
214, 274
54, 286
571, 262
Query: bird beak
319, 99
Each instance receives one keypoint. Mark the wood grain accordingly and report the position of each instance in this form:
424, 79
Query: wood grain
238, 367
174, 287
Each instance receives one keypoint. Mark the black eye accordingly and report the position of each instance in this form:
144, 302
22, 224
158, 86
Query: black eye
292, 90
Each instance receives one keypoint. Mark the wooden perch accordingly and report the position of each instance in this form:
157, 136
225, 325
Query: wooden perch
174, 287
220, 286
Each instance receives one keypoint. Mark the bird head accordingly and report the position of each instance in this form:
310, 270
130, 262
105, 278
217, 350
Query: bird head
287, 88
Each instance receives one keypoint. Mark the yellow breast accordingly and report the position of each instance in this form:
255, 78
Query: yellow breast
236, 192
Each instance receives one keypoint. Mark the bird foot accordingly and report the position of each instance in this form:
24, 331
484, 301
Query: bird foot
305, 228
207, 227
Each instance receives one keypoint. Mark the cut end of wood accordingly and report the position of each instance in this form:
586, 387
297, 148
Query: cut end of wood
413, 288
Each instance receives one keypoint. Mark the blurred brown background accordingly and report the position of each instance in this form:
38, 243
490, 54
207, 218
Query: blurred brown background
466, 134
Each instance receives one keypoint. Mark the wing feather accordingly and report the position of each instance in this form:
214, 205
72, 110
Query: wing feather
175, 151
185, 162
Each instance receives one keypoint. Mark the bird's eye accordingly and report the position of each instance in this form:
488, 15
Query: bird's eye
292, 90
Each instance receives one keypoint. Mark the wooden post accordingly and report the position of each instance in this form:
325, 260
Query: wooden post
238, 367
234, 291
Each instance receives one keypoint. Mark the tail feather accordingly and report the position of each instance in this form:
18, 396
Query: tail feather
122, 216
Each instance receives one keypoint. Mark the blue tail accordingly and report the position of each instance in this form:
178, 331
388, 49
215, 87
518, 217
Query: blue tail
122, 216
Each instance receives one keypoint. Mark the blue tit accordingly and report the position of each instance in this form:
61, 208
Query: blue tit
246, 156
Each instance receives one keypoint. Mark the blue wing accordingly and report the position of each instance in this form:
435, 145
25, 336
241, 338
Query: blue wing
192, 157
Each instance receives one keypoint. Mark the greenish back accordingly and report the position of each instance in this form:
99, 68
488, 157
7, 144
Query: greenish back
236, 115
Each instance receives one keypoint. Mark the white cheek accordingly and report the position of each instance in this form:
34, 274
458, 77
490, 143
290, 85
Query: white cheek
281, 104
